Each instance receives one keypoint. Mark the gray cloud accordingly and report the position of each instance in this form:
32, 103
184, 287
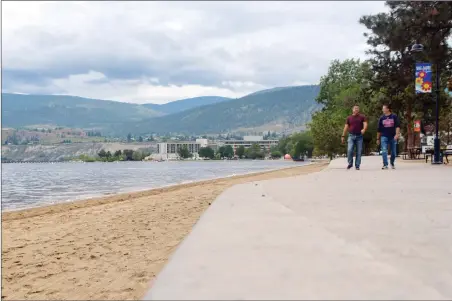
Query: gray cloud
146, 46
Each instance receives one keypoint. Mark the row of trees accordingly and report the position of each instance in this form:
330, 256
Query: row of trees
296, 145
270, 135
41, 130
388, 76
125, 155
131, 138
16, 140
209, 153
227, 152
94, 134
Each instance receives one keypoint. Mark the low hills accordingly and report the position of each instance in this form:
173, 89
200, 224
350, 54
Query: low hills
185, 104
19, 110
283, 108
274, 108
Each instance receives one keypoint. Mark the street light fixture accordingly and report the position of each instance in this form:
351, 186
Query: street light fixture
417, 48
436, 144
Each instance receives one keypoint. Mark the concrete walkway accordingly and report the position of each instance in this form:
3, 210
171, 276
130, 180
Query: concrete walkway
336, 234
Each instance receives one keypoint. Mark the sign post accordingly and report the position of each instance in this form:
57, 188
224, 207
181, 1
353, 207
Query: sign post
417, 126
423, 80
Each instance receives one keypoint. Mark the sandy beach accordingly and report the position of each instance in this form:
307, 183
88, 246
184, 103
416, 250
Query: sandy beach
108, 248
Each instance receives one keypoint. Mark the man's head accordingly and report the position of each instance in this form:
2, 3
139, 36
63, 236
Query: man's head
355, 110
386, 109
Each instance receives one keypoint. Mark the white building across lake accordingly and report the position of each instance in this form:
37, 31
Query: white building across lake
248, 141
169, 150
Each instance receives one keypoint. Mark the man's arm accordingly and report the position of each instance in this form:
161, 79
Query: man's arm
397, 124
379, 131
345, 130
364, 126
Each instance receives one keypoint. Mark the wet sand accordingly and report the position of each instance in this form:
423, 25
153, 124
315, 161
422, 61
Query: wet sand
108, 248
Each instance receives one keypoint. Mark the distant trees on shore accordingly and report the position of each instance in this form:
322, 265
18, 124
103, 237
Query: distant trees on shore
240, 151
253, 152
94, 134
226, 152
107, 156
298, 144
206, 152
184, 153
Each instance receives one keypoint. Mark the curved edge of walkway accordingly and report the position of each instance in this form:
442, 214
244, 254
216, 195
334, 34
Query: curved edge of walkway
214, 223
268, 240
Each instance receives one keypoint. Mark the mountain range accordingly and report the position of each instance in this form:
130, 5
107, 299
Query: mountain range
273, 109
185, 104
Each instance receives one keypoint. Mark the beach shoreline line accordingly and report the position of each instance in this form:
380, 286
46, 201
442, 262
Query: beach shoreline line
59, 207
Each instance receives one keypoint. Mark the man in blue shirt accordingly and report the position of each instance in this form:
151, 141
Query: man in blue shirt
388, 133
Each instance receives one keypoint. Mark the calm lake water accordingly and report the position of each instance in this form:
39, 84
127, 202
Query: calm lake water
32, 185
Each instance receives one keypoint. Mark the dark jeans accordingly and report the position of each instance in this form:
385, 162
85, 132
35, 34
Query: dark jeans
391, 142
354, 140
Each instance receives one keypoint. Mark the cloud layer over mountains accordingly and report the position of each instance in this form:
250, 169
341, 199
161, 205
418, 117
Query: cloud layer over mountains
162, 51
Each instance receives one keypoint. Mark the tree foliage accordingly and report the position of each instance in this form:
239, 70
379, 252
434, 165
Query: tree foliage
228, 152
346, 84
390, 37
254, 152
206, 152
297, 144
387, 77
221, 151
302, 144
184, 153
137, 156
102, 153
275, 153
240, 152
128, 155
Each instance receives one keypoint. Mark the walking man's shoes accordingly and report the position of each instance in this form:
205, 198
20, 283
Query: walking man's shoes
357, 168
384, 167
392, 166
350, 166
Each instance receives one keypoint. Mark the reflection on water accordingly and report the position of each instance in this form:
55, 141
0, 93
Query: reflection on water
30, 185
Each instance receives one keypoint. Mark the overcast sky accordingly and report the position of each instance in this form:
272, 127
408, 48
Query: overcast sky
163, 51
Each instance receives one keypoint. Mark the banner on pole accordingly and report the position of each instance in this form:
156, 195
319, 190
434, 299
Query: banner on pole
417, 126
423, 78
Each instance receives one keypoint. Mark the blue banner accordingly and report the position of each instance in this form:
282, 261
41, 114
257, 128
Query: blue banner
423, 78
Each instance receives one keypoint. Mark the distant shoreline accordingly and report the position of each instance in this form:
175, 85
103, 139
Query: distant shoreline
148, 161
157, 189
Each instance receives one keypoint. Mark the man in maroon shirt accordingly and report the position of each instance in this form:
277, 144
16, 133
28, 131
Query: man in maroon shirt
356, 125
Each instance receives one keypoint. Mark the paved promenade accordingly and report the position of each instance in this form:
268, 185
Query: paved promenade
371, 234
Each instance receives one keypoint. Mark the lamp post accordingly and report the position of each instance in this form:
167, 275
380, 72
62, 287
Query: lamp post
436, 144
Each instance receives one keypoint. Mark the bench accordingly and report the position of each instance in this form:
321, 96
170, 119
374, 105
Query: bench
404, 155
414, 153
446, 153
